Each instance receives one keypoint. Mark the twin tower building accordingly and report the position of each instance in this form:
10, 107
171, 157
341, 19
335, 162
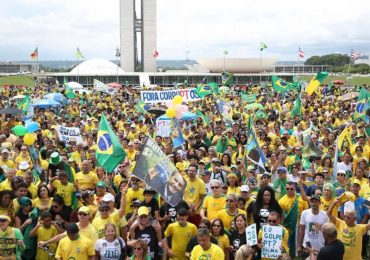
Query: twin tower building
138, 35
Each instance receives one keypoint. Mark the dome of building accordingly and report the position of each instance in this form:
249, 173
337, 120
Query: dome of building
96, 67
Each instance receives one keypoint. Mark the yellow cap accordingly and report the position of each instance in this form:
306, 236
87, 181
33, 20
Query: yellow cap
5, 217
84, 209
143, 211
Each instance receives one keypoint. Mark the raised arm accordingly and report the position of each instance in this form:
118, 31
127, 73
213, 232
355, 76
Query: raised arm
330, 211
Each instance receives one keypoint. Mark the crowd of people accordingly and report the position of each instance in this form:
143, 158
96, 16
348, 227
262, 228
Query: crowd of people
57, 202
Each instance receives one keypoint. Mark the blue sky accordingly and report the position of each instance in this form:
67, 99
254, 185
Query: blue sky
204, 27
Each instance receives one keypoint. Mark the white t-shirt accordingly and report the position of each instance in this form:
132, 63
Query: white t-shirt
109, 250
344, 167
315, 237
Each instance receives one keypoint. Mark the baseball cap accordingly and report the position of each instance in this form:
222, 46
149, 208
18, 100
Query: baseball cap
205, 173
5, 150
244, 188
5, 217
104, 205
341, 171
215, 160
101, 184
356, 181
24, 165
108, 197
315, 197
84, 209
143, 211
252, 181
282, 168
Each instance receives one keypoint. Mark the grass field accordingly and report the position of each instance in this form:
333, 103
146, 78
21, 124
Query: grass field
16, 80
354, 81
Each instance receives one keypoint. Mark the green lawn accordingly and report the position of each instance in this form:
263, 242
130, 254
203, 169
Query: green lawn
16, 80
354, 81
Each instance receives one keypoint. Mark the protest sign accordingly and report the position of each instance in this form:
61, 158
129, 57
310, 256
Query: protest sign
272, 236
68, 134
188, 94
159, 173
163, 128
251, 234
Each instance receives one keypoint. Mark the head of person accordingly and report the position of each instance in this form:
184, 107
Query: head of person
21, 190
176, 182
4, 154
356, 187
182, 216
192, 171
72, 231
104, 209
84, 214
148, 195
63, 177
231, 201
245, 252
57, 204
43, 191
5, 198
205, 175
319, 179
350, 217
329, 231
241, 203
143, 215
110, 232
25, 203
341, 175
217, 227
4, 222
85, 166
240, 222
101, 188
46, 218
290, 189
282, 172
204, 238
140, 248
244, 192
315, 202
273, 218
216, 187
10, 173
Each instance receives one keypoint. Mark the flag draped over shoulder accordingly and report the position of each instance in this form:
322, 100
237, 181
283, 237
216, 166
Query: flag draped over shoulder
24, 104
141, 107
316, 82
109, 152
297, 109
253, 151
281, 85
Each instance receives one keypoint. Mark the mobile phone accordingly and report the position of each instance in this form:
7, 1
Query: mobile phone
308, 244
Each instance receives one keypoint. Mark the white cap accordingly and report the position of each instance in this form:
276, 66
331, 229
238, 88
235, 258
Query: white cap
244, 188
4, 150
24, 165
341, 171
108, 197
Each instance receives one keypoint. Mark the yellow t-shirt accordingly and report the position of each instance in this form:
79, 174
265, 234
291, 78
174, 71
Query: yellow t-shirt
89, 232
5, 185
212, 205
38, 203
235, 190
226, 218
365, 191
351, 238
223, 241
214, 252
65, 191
193, 191
81, 249
9, 164
44, 234
286, 204
324, 205
99, 223
180, 238
33, 190
132, 195
86, 181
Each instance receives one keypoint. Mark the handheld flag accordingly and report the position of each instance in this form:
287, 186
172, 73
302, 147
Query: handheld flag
227, 78
222, 144
68, 92
262, 46
100, 86
316, 82
109, 152
24, 104
141, 107
35, 54
204, 117
215, 88
345, 138
364, 94
203, 90
360, 110
297, 109
224, 109
253, 151
251, 98
281, 85
159, 173
79, 54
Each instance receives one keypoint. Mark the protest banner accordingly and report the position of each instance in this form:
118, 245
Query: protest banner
272, 237
163, 128
251, 234
188, 94
68, 134
159, 173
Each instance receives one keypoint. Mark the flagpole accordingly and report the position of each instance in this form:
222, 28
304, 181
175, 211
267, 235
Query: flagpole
224, 60
260, 65
117, 65
38, 65
78, 69
349, 71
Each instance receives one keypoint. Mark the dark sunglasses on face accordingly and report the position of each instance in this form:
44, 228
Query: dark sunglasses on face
82, 214
3, 220
289, 188
273, 221
215, 187
214, 225
229, 200
104, 210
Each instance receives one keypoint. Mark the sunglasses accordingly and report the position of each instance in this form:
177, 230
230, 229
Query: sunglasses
215, 187
266, 177
273, 221
3, 220
138, 248
230, 200
341, 174
289, 188
82, 214
104, 210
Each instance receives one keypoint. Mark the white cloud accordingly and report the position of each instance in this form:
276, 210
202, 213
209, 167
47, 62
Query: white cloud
205, 27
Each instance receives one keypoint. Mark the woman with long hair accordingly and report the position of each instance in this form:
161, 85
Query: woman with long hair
140, 249
258, 211
218, 232
111, 246
238, 236
6, 204
44, 199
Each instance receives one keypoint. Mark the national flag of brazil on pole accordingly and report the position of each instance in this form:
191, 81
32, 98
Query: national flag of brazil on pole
109, 152
24, 104
281, 85
316, 82
203, 90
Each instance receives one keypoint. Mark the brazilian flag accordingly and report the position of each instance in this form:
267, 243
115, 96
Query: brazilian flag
227, 78
203, 90
297, 109
109, 152
68, 92
281, 85
141, 107
24, 104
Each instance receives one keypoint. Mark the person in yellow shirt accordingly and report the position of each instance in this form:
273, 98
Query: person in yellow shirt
86, 179
74, 246
212, 204
194, 193
23, 166
44, 230
23, 156
228, 214
349, 232
205, 248
6, 184
62, 187
5, 162
180, 233
133, 193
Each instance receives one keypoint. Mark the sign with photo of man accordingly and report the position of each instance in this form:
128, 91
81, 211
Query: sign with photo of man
159, 173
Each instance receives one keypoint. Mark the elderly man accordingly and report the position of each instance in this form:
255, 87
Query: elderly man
86, 179
228, 214
213, 203
350, 233
205, 247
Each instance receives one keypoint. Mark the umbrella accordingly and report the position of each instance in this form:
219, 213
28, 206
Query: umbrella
253, 105
115, 85
158, 111
348, 96
46, 103
185, 116
58, 97
11, 111
75, 85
